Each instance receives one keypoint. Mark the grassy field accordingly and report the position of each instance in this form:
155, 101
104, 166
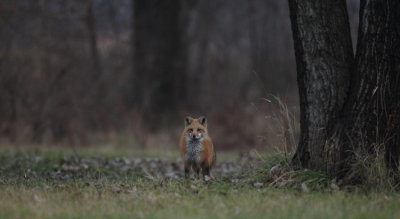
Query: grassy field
61, 183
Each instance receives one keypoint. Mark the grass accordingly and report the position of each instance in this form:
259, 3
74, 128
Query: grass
52, 183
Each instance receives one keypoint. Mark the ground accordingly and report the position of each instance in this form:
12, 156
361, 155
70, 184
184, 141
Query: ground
66, 183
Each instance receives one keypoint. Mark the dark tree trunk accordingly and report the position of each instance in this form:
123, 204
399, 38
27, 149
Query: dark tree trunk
253, 34
14, 113
193, 11
338, 118
92, 31
324, 56
158, 58
371, 115
9, 109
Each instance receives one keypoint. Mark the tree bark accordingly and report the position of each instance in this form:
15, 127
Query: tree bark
90, 21
158, 58
324, 57
347, 108
371, 116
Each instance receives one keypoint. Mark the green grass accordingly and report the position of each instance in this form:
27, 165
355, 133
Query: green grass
102, 188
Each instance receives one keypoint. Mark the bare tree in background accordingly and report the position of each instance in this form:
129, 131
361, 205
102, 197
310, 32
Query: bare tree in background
66, 66
159, 61
90, 21
349, 105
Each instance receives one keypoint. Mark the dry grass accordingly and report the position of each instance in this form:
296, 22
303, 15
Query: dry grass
61, 183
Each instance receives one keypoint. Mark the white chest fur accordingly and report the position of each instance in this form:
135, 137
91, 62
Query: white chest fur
193, 149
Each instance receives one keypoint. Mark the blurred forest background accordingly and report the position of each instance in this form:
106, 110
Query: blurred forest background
128, 71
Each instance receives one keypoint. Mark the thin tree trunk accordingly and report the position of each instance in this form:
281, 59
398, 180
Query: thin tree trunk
14, 110
324, 58
94, 51
10, 86
253, 36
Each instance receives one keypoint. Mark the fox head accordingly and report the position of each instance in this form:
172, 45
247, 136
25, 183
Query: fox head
195, 129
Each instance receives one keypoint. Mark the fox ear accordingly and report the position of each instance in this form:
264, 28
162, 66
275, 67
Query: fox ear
203, 120
188, 120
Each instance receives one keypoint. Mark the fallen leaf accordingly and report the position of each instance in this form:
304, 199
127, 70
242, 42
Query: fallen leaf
258, 184
304, 188
334, 187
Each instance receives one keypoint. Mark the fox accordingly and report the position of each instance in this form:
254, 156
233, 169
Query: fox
196, 147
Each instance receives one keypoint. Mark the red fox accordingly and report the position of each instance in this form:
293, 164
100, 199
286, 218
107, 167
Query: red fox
196, 147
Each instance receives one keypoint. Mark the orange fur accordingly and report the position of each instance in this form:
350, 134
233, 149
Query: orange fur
206, 154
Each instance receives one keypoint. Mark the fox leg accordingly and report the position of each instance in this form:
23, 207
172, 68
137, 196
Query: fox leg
187, 170
196, 169
205, 169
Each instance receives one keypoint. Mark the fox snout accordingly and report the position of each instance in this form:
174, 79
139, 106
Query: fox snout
195, 136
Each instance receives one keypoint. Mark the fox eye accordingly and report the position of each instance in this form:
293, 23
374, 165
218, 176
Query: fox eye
200, 130
190, 130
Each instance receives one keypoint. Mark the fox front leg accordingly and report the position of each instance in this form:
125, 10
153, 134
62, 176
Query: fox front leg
196, 169
205, 171
187, 171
